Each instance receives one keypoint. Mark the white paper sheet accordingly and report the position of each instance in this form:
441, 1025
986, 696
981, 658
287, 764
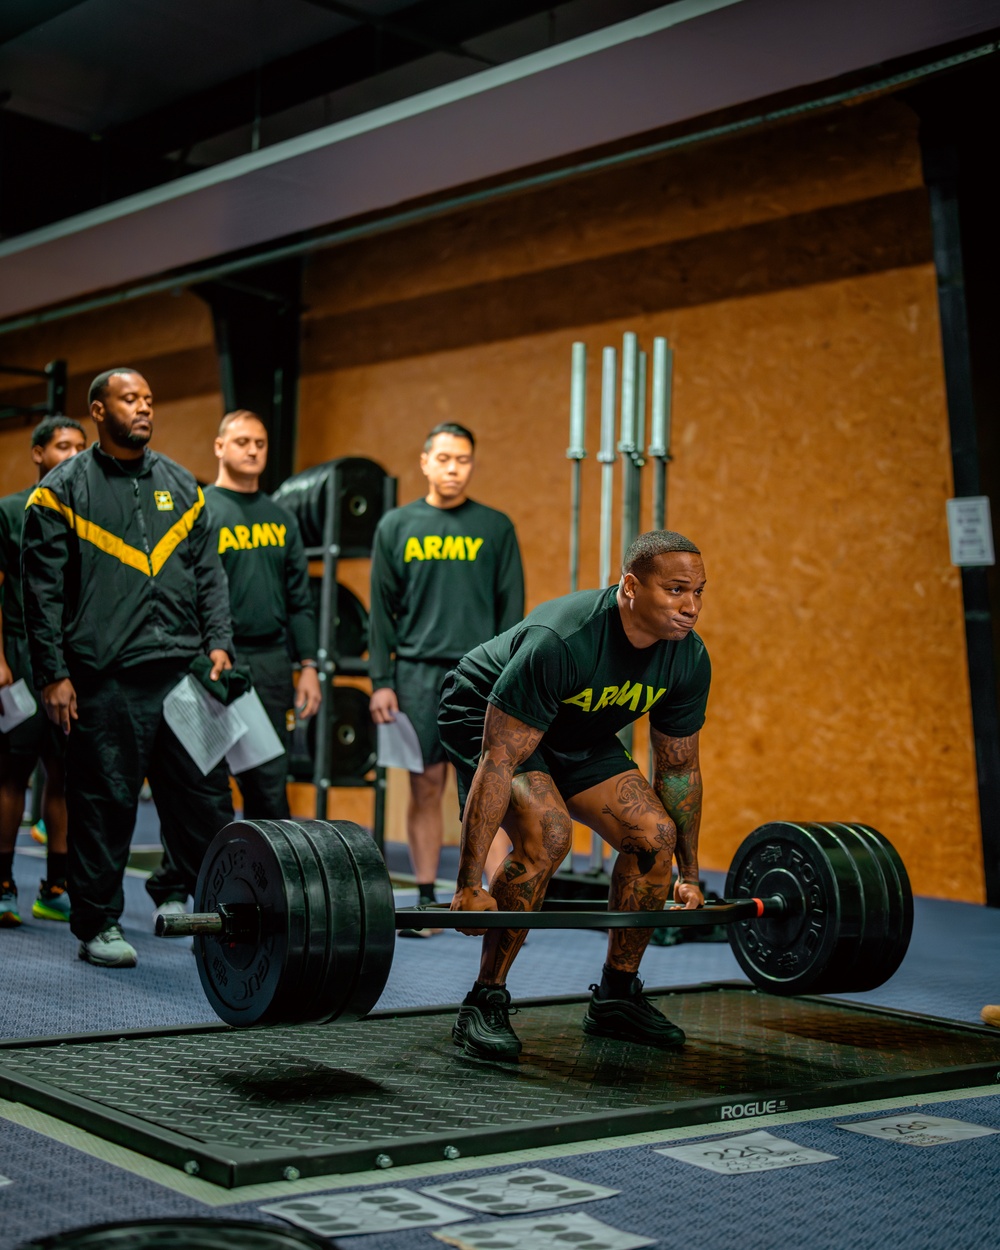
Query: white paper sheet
351, 1215
398, 746
914, 1129
516, 1193
750, 1152
17, 704
543, 1232
260, 744
203, 726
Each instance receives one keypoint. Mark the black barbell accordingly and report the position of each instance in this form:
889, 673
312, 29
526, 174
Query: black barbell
295, 920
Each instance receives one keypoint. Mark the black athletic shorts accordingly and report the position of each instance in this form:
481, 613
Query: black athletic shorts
460, 725
418, 690
37, 735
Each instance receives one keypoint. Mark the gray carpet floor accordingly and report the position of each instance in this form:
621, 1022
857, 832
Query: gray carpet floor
874, 1195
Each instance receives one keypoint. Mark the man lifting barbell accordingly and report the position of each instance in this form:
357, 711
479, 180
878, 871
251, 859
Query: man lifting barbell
530, 721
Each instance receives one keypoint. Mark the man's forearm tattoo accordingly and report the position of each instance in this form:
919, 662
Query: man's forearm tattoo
506, 743
677, 780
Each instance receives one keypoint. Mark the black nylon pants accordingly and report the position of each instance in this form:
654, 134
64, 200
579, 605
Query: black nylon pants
120, 739
264, 789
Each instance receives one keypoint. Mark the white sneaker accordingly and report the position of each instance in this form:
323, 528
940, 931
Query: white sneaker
109, 950
172, 907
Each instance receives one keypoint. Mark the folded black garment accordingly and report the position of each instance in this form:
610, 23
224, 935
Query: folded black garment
231, 684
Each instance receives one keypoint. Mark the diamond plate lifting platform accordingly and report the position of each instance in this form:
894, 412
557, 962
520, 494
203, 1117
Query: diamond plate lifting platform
240, 1107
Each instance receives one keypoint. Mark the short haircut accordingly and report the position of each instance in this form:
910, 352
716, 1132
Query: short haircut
99, 386
449, 427
237, 415
45, 431
641, 555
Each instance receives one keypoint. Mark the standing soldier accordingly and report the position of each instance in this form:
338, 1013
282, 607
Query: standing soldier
446, 575
261, 550
53, 440
123, 589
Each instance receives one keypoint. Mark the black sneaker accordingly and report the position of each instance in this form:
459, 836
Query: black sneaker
483, 1026
632, 1019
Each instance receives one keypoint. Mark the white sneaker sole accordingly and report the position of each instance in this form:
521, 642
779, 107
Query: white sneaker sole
125, 961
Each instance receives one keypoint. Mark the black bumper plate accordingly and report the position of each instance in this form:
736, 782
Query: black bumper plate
240, 1107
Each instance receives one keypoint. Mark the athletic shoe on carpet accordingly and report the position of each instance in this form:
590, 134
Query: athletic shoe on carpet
10, 917
52, 902
109, 950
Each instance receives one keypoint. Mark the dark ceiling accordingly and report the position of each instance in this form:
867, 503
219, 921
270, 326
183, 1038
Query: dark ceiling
103, 98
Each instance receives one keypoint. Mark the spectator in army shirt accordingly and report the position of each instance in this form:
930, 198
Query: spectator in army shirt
446, 575
530, 721
53, 440
261, 550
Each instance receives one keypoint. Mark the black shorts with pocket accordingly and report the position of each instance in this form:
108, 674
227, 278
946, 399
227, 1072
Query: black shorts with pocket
418, 690
461, 714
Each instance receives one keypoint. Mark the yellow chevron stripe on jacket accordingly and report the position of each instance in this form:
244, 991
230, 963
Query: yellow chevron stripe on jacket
180, 529
111, 544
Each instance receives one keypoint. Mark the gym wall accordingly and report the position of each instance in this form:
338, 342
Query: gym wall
791, 271
168, 338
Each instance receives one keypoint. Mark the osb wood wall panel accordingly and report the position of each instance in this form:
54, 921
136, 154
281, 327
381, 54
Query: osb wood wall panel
837, 159
167, 338
810, 441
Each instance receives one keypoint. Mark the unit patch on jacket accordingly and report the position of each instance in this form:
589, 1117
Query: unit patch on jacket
164, 500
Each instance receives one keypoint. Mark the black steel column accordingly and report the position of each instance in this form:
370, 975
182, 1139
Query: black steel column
941, 173
257, 341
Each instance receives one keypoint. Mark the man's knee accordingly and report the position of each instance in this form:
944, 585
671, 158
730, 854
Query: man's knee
653, 851
427, 788
541, 849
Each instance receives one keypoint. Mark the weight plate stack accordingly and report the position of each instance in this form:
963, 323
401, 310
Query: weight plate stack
352, 739
845, 928
359, 498
327, 931
378, 918
350, 627
318, 984
899, 909
244, 980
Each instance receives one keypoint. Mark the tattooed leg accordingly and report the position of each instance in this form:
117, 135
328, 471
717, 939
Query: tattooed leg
541, 832
627, 814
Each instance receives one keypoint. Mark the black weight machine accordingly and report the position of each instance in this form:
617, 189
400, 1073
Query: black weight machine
338, 505
54, 375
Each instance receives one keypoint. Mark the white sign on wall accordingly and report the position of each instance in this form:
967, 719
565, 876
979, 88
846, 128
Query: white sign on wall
970, 531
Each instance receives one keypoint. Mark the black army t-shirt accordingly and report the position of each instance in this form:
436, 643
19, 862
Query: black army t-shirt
261, 551
569, 669
442, 580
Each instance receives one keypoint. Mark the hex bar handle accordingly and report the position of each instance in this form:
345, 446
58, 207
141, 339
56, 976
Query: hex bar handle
440, 916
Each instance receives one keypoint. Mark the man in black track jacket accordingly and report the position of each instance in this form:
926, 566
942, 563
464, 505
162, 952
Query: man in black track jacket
122, 590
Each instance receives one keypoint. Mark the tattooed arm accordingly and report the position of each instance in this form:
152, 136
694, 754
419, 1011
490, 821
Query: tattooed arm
677, 780
506, 743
